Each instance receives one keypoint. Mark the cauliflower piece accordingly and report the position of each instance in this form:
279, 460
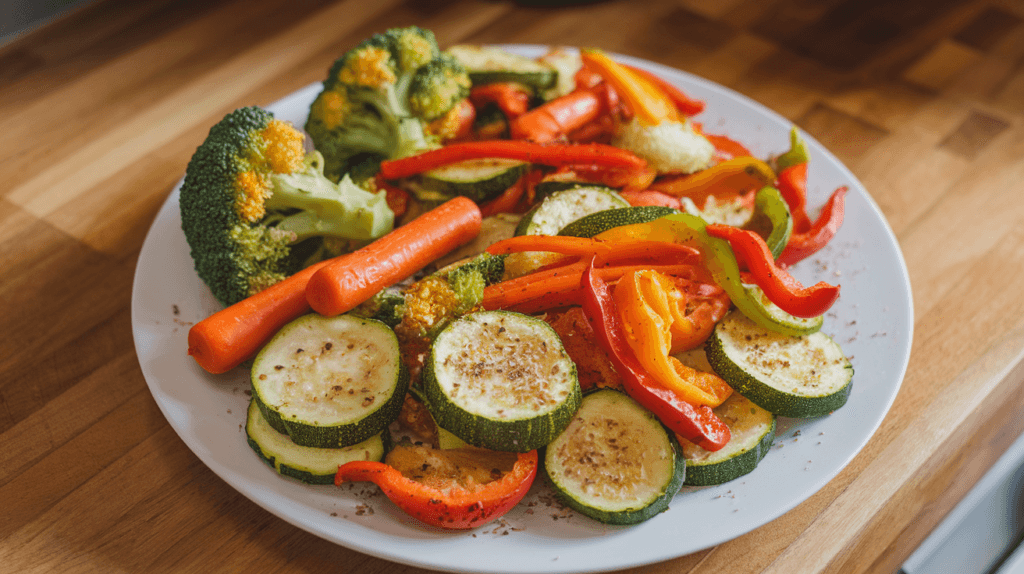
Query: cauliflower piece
668, 147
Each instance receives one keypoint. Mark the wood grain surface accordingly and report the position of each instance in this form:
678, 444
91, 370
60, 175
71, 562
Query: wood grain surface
100, 111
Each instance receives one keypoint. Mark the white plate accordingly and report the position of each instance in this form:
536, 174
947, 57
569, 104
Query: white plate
873, 322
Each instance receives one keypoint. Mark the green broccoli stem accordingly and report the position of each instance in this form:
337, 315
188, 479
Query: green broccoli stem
306, 204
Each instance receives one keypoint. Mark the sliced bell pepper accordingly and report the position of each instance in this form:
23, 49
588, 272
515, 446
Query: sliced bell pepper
652, 311
725, 180
601, 155
684, 104
696, 423
793, 188
718, 258
727, 148
796, 154
771, 219
648, 102
605, 251
778, 285
507, 201
803, 245
450, 507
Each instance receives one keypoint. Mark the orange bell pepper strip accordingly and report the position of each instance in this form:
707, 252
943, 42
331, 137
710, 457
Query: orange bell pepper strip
511, 98
649, 307
696, 423
454, 507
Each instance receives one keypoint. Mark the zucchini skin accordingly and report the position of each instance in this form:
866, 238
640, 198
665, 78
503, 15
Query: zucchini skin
510, 435
630, 516
533, 222
372, 449
761, 391
595, 223
499, 178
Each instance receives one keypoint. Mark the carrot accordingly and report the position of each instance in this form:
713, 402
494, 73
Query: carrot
225, 339
511, 98
352, 279
563, 114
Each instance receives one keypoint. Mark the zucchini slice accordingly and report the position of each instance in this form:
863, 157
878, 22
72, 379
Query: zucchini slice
563, 207
307, 464
489, 64
500, 380
615, 462
595, 223
330, 382
805, 376
753, 431
477, 179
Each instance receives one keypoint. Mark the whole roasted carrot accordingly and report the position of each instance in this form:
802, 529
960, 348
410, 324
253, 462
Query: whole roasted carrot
225, 339
562, 115
351, 279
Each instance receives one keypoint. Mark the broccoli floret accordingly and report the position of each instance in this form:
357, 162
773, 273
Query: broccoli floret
255, 207
393, 95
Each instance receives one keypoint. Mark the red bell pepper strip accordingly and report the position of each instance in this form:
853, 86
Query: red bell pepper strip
803, 245
507, 201
698, 424
778, 285
604, 251
604, 156
652, 197
396, 197
792, 184
727, 148
454, 507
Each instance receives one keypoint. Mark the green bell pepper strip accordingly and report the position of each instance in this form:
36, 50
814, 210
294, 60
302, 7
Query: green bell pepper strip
771, 219
718, 258
797, 153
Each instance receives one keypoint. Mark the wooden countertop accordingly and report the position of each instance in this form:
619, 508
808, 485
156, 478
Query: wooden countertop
100, 111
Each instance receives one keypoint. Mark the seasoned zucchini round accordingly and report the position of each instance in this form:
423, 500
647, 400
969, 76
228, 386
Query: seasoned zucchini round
308, 464
804, 376
500, 380
329, 382
752, 431
563, 207
615, 462
478, 179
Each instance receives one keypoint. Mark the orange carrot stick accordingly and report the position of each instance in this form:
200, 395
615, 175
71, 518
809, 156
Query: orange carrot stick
225, 339
352, 279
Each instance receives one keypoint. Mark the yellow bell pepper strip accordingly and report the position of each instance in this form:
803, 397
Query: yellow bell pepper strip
778, 285
600, 155
649, 103
451, 506
642, 300
725, 180
696, 423
684, 104
803, 245
718, 258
